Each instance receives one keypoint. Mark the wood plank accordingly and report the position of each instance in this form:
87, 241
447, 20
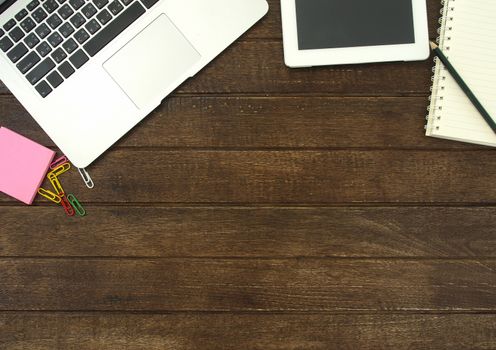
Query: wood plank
247, 285
255, 67
268, 122
54, 331
250, 232
288, 177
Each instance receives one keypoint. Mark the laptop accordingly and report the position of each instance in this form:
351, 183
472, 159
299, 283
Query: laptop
89, 70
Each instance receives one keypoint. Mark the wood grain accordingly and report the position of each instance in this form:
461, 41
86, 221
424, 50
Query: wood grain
259, 65
53, 331
247, 285
260, 68
289, 177
261, 207
411, 232
268, 122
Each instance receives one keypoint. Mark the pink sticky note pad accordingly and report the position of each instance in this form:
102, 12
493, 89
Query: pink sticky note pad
23, 165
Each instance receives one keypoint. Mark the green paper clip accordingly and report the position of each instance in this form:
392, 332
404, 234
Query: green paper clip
76, 205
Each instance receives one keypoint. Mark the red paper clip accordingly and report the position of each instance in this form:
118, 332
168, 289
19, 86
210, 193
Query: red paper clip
69, 210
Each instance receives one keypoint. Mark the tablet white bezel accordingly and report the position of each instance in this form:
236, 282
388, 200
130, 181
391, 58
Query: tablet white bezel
294, 57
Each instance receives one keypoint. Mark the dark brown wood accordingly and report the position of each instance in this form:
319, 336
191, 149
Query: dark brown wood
247, 285
289, 177
261, 207
41, 331
259, 66
269, 122
435, 232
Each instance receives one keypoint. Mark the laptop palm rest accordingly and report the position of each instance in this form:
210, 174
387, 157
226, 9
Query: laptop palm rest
156, 60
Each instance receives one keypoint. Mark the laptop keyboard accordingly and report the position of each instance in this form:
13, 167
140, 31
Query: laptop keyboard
49, 40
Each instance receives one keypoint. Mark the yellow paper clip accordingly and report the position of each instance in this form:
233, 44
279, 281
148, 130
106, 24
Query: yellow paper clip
49, 195
60, 169
56, 184
67, 207
76, 205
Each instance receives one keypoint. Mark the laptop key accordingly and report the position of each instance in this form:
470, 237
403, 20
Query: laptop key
50, 5
149, 3
21, 14
81, 36
55, 39
17, 52
54, 21
104, 17
6, 44
70, 45
31, 40
42, 31
43, 89
78, 59
40, 70
114, 28
66, 29
126, 2
65, 11
9, 25
28, 62
28, 24
92, 27
115, 7
55, 79
89, 10
2, 32
77, 20
39, 15
66, 69
100, 3
59, 55
32, 5
16, 34
43, 49
76, 4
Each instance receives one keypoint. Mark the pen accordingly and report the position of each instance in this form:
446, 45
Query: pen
437, 51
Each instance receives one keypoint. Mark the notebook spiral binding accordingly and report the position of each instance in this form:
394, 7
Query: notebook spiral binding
439, 71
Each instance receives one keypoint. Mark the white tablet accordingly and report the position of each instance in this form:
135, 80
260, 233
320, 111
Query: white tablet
329, 32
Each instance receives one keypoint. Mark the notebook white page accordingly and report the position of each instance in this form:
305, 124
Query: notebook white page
468, 39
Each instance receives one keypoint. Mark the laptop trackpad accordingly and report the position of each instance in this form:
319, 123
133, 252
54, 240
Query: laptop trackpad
157, 59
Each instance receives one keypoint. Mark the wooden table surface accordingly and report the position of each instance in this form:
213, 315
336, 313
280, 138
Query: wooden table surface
263, 208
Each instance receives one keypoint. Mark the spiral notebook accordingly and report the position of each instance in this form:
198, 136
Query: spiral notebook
468, 38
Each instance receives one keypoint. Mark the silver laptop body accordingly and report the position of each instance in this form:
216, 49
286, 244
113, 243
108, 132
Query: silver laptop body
89, 70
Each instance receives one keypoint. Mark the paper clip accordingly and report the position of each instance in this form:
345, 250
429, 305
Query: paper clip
76, 205
49, 195
56, 184
67, 207
86, 178
60, 169
58, 162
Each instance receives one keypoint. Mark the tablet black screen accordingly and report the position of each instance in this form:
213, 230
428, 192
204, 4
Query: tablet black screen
324, 24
